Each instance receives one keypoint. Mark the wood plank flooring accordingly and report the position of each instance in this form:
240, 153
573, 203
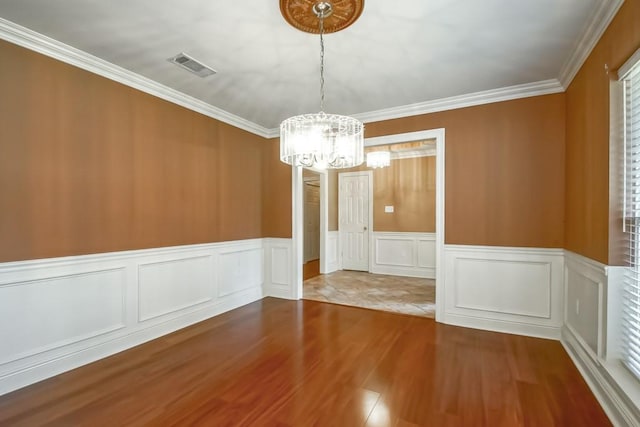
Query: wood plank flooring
307, 363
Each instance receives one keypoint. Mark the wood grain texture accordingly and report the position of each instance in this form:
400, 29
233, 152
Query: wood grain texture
88, 165
306, 363
300, 14
592, 217
504, 170
311, 269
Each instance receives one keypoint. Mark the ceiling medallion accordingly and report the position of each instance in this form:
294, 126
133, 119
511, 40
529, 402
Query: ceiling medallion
301, 14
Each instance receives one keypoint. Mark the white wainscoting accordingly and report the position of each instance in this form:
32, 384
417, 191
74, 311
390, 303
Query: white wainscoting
513, 290
590, 335
404, 254
332, 252
278, 268
58, 314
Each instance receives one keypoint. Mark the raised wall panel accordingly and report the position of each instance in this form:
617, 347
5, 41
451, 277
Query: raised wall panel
585, 305
510, 287
427, 253
41, 315
234, 274
404, 254
278, 272
280, 266
173, 285
58, 314
394, 251
515, 290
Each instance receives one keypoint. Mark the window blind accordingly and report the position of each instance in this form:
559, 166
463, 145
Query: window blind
631, 297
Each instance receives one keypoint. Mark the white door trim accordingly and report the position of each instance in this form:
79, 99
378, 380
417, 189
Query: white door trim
439, 136
296, 220
368, 173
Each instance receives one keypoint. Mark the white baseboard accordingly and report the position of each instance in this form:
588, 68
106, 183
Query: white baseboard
278, 262
512, 290
503, 326
591, 335
617, 406
58, 314
404, 254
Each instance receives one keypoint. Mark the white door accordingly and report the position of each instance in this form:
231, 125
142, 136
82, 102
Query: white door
353, 214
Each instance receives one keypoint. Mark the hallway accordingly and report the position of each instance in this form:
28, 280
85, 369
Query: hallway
407, 295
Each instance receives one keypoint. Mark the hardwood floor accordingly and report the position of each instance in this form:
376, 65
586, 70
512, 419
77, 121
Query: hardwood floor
308, 363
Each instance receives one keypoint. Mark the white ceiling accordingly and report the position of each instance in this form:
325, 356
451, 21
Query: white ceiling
397, 53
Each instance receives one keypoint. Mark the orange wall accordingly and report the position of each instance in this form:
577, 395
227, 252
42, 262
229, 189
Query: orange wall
504, 170
588, 218
276, 192
409, 185
88, 165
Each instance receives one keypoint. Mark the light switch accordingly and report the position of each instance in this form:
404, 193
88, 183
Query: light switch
388, 209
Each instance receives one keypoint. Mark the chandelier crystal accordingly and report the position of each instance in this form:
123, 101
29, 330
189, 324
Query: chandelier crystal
322, 140
378, 159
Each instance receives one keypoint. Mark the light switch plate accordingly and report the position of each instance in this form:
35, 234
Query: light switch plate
388, 209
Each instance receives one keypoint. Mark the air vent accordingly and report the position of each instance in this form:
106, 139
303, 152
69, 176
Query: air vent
190, 64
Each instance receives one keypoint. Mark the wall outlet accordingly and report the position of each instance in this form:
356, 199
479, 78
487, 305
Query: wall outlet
388, 209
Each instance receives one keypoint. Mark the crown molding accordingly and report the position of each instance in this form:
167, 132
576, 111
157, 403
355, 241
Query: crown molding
509, 93
544, 87
595, 28
40, 43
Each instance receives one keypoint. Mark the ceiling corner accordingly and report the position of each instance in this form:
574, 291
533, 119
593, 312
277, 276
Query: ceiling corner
596, 26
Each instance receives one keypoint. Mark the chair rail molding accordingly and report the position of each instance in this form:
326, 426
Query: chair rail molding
97, 305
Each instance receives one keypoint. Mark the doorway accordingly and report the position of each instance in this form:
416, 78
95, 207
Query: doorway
438, 136
311, 216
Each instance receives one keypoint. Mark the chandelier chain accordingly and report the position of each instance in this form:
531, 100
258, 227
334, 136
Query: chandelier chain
322, 61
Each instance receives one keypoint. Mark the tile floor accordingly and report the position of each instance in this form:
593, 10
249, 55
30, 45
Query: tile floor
408, 295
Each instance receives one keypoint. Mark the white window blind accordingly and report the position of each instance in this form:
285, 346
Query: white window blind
630, 74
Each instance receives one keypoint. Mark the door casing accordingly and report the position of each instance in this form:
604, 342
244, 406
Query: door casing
297, 231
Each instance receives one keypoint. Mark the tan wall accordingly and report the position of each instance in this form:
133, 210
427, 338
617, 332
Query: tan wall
588, 217
276, 192
88, 165
504, 170
409, 185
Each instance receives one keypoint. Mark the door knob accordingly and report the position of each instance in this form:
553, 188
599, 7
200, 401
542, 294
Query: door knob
365, 229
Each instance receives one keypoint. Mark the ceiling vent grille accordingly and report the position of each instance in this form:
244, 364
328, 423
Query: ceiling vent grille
192, 65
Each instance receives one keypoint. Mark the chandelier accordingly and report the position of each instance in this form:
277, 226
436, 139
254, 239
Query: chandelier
322, 140
378, 159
